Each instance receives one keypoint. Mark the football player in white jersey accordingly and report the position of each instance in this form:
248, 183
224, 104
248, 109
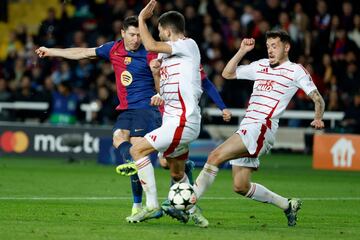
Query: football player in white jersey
276, 80
180, 87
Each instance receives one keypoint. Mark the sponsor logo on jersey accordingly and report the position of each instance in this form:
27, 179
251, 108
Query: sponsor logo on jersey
127, 60
265, 86
126, 78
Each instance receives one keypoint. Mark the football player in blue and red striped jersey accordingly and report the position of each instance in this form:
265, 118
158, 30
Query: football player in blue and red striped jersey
136, 88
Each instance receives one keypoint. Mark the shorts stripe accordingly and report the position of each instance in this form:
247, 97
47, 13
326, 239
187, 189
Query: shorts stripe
260, 141
179, 130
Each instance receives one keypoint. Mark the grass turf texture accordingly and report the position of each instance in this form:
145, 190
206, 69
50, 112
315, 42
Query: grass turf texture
51, 199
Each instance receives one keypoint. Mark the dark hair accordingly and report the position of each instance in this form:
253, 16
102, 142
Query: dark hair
130, 21
174, 20
283, 35
66, 83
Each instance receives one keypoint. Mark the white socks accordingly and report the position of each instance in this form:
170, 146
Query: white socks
205, 179
137, 205
147, 179
262, 194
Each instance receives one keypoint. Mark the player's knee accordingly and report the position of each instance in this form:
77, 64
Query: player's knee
241, 188
118, 140
214, 158
119, 136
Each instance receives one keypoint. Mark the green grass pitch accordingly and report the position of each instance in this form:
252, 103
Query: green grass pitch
51, 199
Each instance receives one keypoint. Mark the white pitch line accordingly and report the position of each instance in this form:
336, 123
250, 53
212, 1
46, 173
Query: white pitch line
205, 198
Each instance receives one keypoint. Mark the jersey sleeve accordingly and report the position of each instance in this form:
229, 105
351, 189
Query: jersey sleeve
103, 51
213, 93
247, 71
303, 80
183, 47
151, 56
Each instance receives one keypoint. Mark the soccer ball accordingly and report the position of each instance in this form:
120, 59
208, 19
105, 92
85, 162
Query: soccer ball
182, 196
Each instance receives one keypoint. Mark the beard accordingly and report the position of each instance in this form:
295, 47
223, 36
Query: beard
274, 65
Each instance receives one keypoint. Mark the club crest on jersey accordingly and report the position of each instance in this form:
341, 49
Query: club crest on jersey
126, 78
127, 60
266, 86
265, 70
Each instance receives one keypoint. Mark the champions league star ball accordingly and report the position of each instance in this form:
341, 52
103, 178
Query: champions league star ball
182, 196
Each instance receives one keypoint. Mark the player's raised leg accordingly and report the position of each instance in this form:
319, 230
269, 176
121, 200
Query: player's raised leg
140, 151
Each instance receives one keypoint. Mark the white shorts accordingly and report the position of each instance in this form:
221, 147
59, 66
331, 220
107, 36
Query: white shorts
172, 138
246, 162
258, 139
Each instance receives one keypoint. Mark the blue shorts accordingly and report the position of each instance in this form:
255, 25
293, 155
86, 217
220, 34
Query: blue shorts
138, 121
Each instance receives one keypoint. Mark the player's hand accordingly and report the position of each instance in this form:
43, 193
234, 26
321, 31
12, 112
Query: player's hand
317, 124
247, 44
226, 115
148, 10
156, 100
42, 52
155, 65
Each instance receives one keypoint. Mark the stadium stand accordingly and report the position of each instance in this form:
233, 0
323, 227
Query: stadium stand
326, 40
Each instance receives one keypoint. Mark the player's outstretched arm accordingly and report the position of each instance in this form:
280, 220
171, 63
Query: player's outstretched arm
319, 109
211, 90
148, 41
229, 72
69, 53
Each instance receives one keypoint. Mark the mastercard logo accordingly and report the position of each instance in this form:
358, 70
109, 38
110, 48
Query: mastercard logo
17, 142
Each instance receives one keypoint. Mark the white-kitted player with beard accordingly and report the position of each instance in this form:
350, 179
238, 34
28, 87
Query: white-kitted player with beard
276, 80
180, 87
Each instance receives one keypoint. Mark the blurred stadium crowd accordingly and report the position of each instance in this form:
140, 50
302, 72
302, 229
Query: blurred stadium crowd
325, 36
